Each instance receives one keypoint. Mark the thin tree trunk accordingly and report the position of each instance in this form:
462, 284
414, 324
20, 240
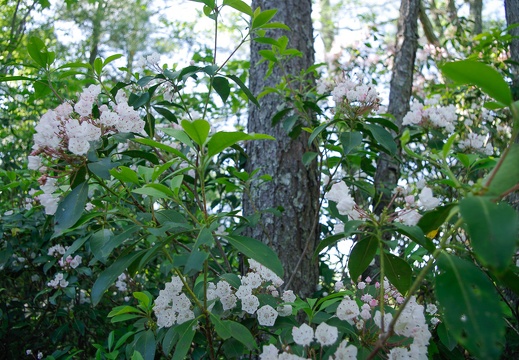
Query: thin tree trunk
294, 187
401, 85
327, 25
476, 10
512, 17
96, 31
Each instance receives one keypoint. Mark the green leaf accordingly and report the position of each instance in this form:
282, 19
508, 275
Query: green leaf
109, 275
239, 5
195, 262
349, 227
485, 77
266, 40
244, 88
139, 154
186, 333
136, 356
432, 220
144, 343
228, 328
416, 234
124, 309
98, 66
361, 256
180, 136
198, 130
102, 168
258, 251
316, 132
308, 157
221, 85
144, 298
493, 230
158, 191
276, 25
350, 140
38, 51
97, 242
398, 272
507, 176
71, 208
111, 58
262, 18
445, 337
124, 317
168, 115
268, 55
382, 137
470, 307
222, 140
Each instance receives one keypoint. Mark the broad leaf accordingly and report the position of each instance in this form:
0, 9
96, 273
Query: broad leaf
221, 85
470, 307
382, 137
222, 140
145, 344
258, 251
71, 208
479, 74
198, 130
493, 230
361, 256
350, 140
507, 176
239, 5
398, 272
244, 88
185, 333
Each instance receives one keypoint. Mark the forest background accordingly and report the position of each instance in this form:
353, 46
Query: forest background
52, 51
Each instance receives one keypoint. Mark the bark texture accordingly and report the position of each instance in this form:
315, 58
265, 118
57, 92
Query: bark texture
476, 11
295, 188
512, 17
401, 87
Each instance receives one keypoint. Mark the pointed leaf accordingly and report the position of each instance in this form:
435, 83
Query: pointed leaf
258, 251
244, 88
222, 140
479, 74
198, 130
493, 230
71, 208
382, 137
470, 307
361, 256
186, 333
221, 85
398, 272
239, 5
350, 140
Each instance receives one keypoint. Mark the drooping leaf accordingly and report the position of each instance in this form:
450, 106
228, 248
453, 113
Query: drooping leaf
479, 74
361, 256
398, 272
239, 5
493, 230
262, 18
382, 137
185, 333
416, 234
470, 307
432, 220
221, 85
258, 251
109, 275
71, 208
350, 140
244, 88
145, 344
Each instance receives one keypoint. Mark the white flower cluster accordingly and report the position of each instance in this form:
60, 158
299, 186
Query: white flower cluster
411, 324
57, 250
58, 281
431, 114
340, 194
121, 283
48, 199
410, 216
355, 96
259, 276
172, 306
70, 262
478, 143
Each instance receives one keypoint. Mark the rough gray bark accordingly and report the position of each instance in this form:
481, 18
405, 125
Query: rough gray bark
401, 86
476, 10
295, 188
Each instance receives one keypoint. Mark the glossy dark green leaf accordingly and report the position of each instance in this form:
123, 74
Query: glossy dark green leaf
168, 115
485, 77
102, 168
139, 154
398, 272
37, 51
185, 333
145, 344
361, 256
350, 140
71, 208
309, 157
493, 230
507, 176
125, 174
349, 228
432, 220
416, 234
239, 5
258, 251
221, 85
262, 18
382, 137
470, 307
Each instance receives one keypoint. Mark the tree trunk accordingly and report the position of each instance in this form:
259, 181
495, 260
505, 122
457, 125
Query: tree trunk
401, 85
97, 30
476, 10
294, 187
512, 17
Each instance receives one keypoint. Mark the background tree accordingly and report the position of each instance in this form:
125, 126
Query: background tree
293, 191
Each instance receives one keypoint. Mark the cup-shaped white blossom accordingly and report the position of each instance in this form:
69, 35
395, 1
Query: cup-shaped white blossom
303, 335
326, 334
348, 310
267, 315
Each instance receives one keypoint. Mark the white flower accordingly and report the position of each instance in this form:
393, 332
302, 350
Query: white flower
326, 334
250, 304
427, 199
399, 354
339, 285
243, 291
431, 309
288, 296
340, 194
303, 335
34, 162
267, 315
345, 352
348, 310
78, 146
378, 320
408, 217
270, 352
284, 310
49, 202
229, 301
